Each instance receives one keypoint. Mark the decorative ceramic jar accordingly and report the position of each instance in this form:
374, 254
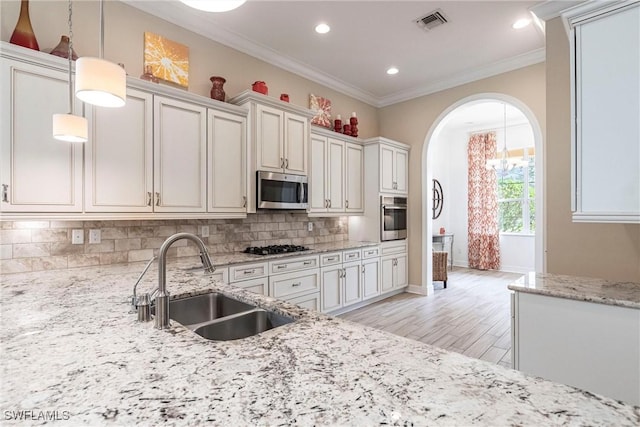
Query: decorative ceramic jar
62, 49
148, 75
346, 129
260, 87
23, 33
217, 91
337, 124
284, 97
353, 121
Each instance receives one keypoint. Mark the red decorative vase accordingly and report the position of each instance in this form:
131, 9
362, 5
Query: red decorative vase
23, 33
284, 97
346, 129
337, 125
62, 50
217, 91
148, 75
260, 87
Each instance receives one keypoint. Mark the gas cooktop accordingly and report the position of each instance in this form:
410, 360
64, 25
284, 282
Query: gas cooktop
274, 249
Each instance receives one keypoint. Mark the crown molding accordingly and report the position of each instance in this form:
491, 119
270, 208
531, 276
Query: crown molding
551, 9
185, 17
510, 64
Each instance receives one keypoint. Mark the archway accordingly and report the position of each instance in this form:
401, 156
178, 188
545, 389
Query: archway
427, 175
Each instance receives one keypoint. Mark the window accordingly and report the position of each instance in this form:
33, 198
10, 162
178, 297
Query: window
516, 195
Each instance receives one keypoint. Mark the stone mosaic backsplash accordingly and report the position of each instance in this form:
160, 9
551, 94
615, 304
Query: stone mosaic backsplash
46, 245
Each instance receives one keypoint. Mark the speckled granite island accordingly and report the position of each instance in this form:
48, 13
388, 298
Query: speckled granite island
579, 331
69, 344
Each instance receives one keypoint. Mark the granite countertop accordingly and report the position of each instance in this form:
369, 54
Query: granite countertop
624, 294
69, 344
224, 259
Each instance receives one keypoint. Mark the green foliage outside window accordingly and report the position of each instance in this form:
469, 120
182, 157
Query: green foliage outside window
516, 200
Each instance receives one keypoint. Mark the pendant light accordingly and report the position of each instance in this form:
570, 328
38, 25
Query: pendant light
69, 127
504, 163
100, 82
214, 5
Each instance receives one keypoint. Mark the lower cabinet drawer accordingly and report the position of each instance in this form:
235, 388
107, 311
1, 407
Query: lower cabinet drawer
292, 284
248, 271
310, 301
293, 264
258, 286
370, 252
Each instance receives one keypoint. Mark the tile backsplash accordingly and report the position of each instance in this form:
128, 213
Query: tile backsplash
46, 245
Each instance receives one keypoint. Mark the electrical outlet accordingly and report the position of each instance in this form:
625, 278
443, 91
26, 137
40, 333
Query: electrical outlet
94, 236
204, 231
77, 237
309, 226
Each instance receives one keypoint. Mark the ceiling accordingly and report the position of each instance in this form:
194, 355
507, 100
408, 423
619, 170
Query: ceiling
367, 37
484, 114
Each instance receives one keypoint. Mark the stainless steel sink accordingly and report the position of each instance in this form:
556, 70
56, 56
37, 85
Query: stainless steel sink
204, 308
242, 325
219, 318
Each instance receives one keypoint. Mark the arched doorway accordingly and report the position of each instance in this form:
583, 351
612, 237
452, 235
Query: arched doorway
427, 175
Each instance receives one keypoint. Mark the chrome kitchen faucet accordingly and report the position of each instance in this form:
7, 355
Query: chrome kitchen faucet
162, 298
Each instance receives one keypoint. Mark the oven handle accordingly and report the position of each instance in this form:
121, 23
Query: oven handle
394, 207
301, 193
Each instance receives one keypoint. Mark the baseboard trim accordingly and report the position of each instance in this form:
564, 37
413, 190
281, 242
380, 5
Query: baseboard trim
419, 290
365, 303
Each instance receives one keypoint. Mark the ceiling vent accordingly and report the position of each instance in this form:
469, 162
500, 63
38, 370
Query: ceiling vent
432, 20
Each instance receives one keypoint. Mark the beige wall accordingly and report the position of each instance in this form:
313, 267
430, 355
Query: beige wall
410, 121
610, 251
124, 29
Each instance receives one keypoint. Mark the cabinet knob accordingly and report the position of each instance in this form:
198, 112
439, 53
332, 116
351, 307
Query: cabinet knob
244, 201
286, 163
346, 204
363, 269
280, 267
157, 198
282, 162
149, 198
5, 193
295, 285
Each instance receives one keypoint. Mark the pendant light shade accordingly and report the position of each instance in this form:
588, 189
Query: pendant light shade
214, 5
504, 163
100, 82
70, 128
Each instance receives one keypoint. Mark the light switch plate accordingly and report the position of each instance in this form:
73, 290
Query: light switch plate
77, 237
204, 231
309, 226
94, 236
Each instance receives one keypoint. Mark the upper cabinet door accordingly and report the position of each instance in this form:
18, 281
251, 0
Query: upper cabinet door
387, 166
227, 162
354, 174
180, 164
401, 170
318, 198
296, 136
269, 133
39, 173
335, 176
606, 151
119, 156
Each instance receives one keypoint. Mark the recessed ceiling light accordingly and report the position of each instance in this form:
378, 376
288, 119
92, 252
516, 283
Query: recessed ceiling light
322, 28
521, 23
393, 70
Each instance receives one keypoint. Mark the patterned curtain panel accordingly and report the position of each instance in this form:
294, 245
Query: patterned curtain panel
484, 233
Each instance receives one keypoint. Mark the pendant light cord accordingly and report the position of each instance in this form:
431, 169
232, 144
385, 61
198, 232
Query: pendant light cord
70, 56
101, 53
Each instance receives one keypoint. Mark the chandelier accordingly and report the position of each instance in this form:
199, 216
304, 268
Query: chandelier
504, 163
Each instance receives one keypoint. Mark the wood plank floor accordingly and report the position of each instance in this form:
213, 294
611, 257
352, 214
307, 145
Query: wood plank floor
472, 316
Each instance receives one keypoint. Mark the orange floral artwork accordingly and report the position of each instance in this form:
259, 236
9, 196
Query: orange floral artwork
168, 60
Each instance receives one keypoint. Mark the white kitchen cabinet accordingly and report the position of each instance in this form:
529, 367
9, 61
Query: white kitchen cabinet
309, 301
318, 177
119, 156
180, 161
394, 266
257, 286
370, 277
354, 178
39, 173
352, 278
595, 347
226, 162
394, 168
605, 42
336, 174
331, 291
281, 139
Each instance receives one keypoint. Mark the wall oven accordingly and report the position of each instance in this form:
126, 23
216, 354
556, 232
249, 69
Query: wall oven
393, 218
281, 191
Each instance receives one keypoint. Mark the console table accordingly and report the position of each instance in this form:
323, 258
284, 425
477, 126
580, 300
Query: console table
441, 239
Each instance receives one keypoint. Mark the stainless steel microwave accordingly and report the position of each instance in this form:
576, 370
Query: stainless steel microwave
281, 191
393, 218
